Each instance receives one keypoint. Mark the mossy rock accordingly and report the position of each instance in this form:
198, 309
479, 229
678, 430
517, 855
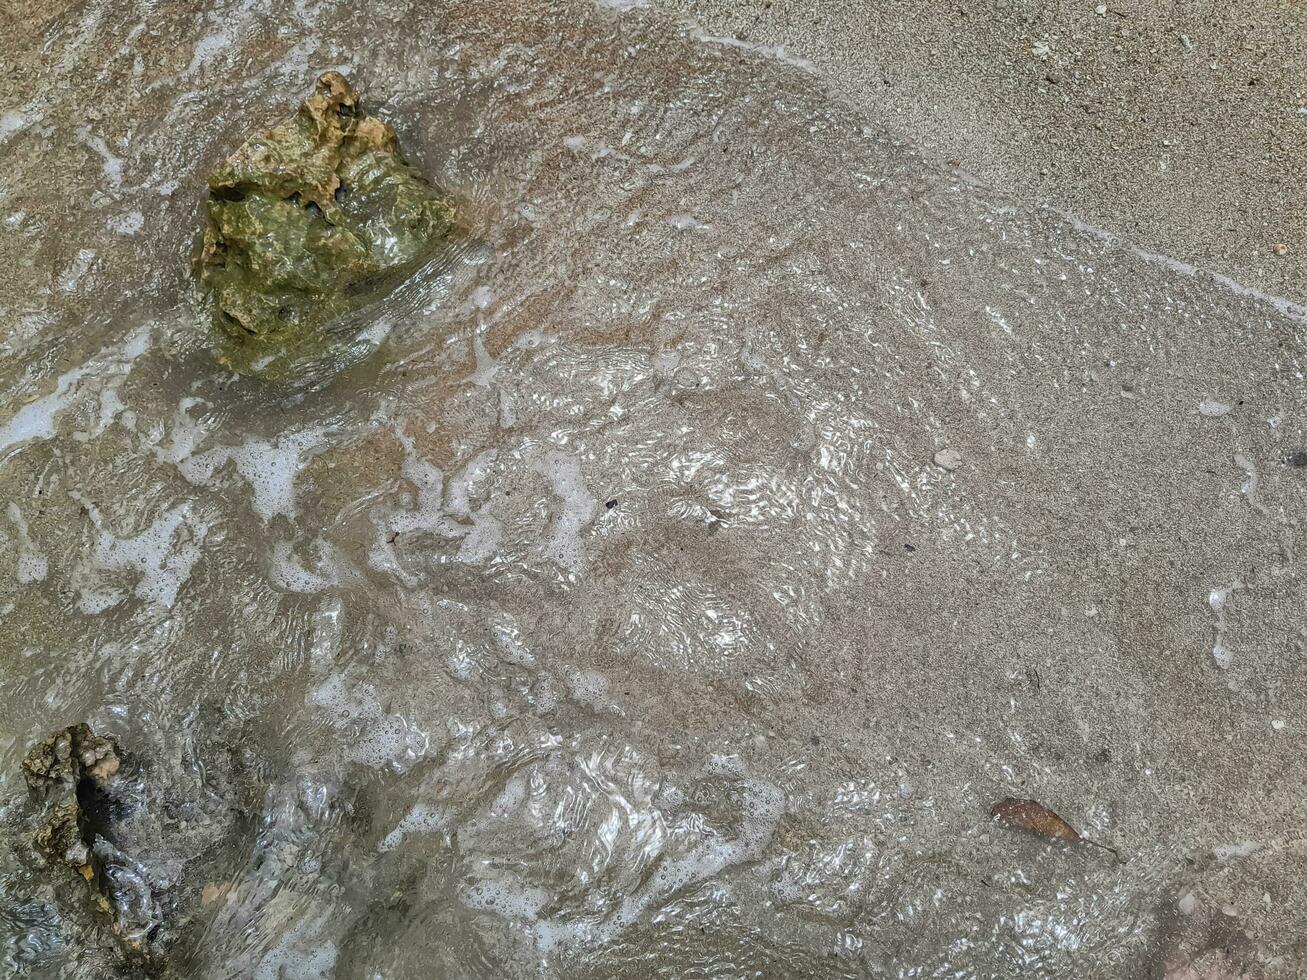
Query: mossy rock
308, 221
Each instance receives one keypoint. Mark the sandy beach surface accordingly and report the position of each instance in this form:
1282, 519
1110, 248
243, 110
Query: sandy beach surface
1180, 127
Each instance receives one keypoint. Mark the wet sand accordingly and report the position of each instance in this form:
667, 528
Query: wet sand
1182, 129
1143, 475
1178, 127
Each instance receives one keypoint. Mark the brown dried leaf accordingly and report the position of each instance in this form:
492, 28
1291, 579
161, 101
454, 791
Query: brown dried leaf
1034, 818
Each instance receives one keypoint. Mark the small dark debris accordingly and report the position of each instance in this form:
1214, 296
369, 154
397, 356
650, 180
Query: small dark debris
610, 504
909, 547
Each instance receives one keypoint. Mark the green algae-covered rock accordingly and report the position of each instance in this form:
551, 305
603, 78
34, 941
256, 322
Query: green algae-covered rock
313, 218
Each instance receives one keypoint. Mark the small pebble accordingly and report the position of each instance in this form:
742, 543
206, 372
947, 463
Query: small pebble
1101, 10
1280, 248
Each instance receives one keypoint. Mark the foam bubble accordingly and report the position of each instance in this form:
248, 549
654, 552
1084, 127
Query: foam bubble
686, 222
327, 628
1250, 483
578, 507
207, 49
299, 954
10, 123
507, 898
422, 819
128, 223
187, 433
32, 564
1242, 849
383, 740
162, 557
286, 573
1217, 599
268, 466
36, 420
589, 687
512, 646
110, 163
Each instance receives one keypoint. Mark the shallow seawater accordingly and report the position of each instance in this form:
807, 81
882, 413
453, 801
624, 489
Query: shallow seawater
668, 583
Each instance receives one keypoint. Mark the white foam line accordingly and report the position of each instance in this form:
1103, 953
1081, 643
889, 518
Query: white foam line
1294, 311
776, 52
